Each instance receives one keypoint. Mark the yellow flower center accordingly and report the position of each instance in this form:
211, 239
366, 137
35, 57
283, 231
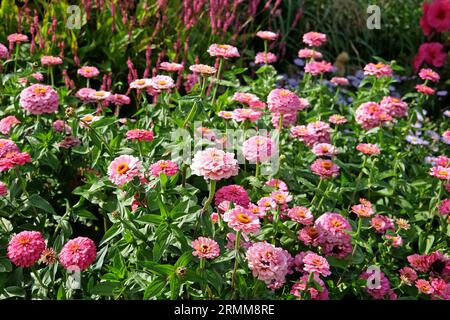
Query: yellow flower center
163, 165
161, 82
327, 164
140, 82
223, 46
244, 218
40, 90
122, 168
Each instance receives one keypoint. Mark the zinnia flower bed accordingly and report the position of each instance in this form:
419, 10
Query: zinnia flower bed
233, 186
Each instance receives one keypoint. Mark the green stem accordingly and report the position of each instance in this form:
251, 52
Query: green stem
38, 278
190, 115
237, 245
257, 169
276, 218
219, 71
212, 190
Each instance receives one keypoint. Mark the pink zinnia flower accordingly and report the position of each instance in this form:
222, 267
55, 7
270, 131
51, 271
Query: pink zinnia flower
50, 60
419, 262
169, 168
337, 119
301, 215
309, 54
424, 286
203, 69
382, 223
80, 252
313, 133
141, 83
139, 134
69, 142
171, 66
379, 292
313, 263
425, 89
379, 70
88, 72
396, 241
119, 99
241, 219
267, 58
233, 193
226, 114
100, 95
444, 207
3, 189
324, 150
395, 107
340, 81
7, 146
249, 99
258, 149
7, 123
37, 76
12, 159
368, 148
332, 227
277, 184
281, 197
267, 35
269, 263
370, 115
61, 126
429, 74
162, 83
318, 67
223, 51
205, 248
84, 94
440, 172
309, 235
241, 115
214, 164
314, 39
4, 53
39, 99
315, 294
325, 168
267, 204
17, 37
446, 137
285, 101
25, 248
123, 169
408, 275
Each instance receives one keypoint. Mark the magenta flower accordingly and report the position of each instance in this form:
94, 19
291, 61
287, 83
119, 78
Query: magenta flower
378, 70
140, 135
313, 263
233, 193
7, 123
25, 248
325, 168
88, 72
314, 39
80, 252
169, 168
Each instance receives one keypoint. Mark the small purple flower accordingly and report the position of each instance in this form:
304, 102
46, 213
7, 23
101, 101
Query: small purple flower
299, 62
434, 135
447, 113
442, 93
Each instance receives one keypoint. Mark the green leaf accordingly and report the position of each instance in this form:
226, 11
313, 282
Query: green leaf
37, 201
5, 265
155, 288
105, 288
